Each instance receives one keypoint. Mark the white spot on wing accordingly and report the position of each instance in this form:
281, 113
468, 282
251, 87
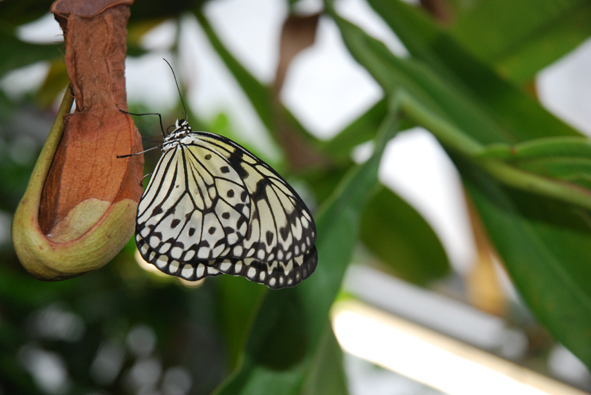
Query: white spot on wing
188, 271
165, 247
305, 222
225, 265
189, 255
200, 270
232, 238
212, 270
289, 267
203, 253
161, 261
154, 241
176, 252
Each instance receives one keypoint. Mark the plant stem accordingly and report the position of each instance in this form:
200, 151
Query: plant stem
453, 139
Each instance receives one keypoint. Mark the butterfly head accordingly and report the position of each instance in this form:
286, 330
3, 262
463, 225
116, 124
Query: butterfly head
181, 124
181, 130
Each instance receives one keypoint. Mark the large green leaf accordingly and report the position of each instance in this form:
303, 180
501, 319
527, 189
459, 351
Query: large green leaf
394, 231
433, 91
518, 38
486, 100
286, 338
327, 374
545, 245
238, 302
465, 119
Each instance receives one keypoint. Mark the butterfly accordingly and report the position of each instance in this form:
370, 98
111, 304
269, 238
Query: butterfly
212, 207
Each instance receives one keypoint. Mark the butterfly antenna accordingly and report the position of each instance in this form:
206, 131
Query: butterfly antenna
178, 88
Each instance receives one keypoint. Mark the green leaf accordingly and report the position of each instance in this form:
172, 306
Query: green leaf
325, 182
328, 375
519, 38
544, 242
434, 92
461, 121
477, 100
395, 232
545, 247
238, 302
361, 130
287, 333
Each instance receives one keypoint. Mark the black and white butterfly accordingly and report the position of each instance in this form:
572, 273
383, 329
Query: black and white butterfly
212, 207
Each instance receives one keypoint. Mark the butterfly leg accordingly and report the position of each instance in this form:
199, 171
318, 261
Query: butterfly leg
147, 113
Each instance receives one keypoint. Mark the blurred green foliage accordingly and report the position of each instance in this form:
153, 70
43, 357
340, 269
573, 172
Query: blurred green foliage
122, 329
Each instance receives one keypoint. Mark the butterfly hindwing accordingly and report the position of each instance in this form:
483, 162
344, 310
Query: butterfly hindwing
275, 274
211, 207
281, 226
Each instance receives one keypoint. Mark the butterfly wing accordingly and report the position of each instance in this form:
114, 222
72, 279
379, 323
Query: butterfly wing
275, 274
280, 225
278, 249
181, 215
233, 212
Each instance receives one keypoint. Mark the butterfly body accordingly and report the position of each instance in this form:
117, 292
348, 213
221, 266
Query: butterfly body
212, 207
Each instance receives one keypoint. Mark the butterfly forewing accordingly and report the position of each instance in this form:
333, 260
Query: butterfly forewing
212, 207
182, 214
